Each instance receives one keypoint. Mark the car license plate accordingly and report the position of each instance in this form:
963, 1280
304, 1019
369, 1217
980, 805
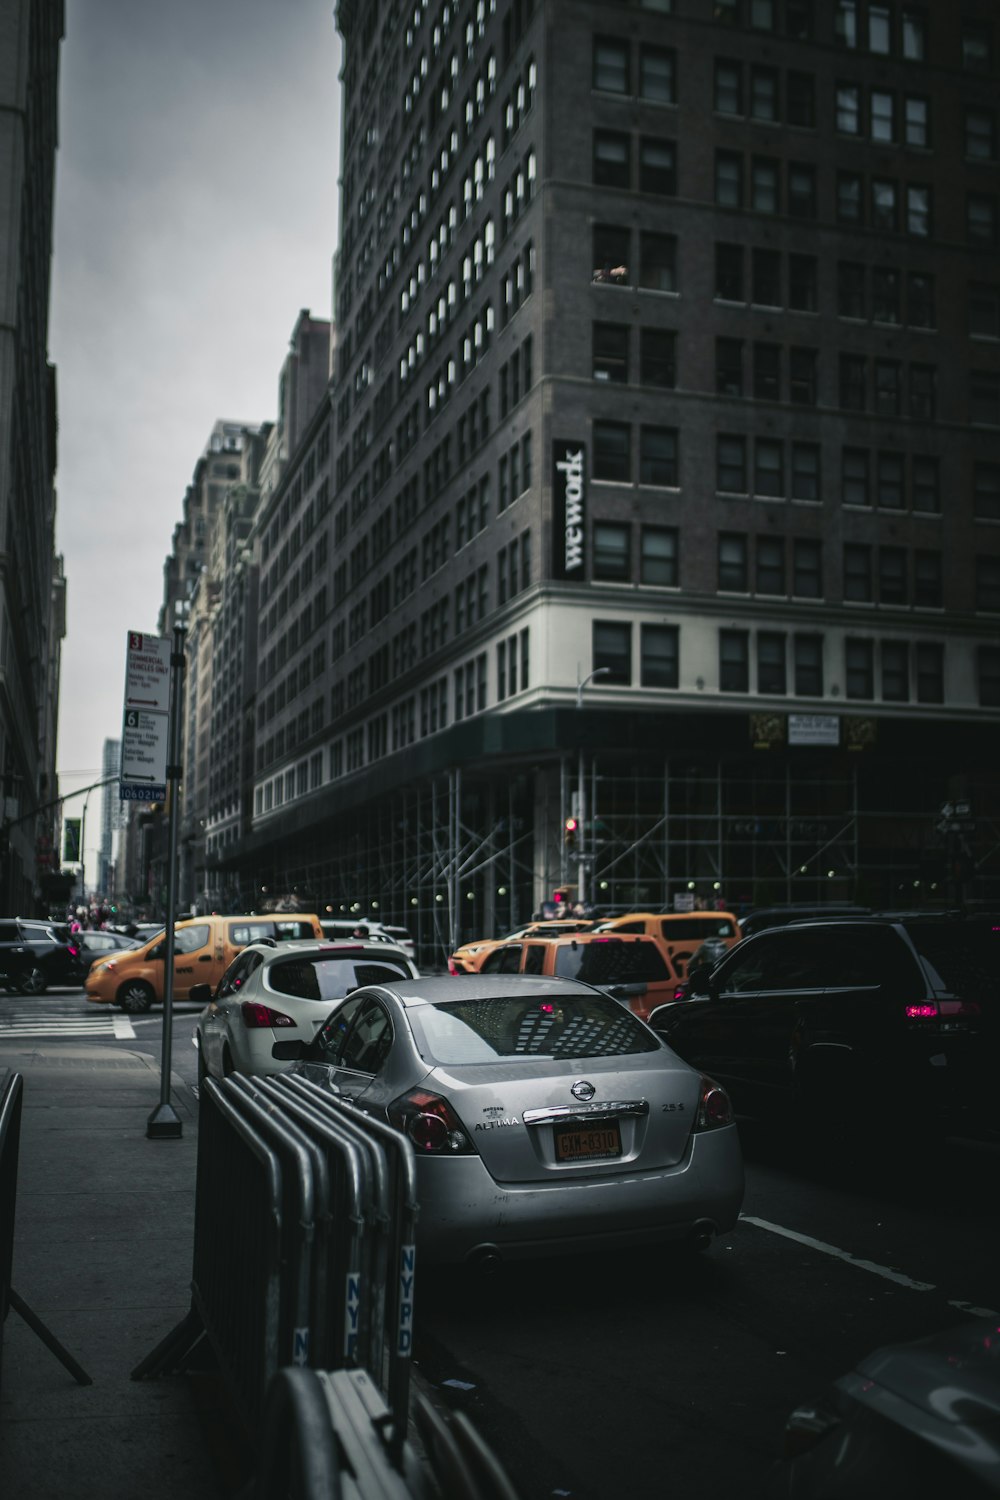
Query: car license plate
589, 1142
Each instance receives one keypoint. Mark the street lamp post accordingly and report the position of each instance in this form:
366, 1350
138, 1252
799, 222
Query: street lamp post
581, 811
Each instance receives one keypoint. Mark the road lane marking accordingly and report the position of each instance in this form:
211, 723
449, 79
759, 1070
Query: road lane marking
124, 1030
865, 1265
844, 1255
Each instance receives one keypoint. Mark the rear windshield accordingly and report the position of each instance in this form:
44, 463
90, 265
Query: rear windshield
329, 977
961, 959
289, 929
483, 1031
611, 962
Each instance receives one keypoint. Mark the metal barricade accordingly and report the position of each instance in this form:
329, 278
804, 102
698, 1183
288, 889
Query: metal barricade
11, 1095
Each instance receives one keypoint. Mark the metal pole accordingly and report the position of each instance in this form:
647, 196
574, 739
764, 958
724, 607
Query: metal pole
165, 1122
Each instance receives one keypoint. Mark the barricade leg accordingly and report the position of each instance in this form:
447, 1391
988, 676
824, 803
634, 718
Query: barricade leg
48, 1338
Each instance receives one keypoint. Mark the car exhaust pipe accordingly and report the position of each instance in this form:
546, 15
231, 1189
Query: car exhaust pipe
702, 1234
485, 1259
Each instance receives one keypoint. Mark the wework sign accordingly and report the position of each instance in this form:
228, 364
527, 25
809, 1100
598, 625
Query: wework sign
569, 509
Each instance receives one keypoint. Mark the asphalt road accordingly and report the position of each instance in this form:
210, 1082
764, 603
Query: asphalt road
645, 1375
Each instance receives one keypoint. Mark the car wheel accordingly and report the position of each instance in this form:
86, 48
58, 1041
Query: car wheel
32, 983
135, 996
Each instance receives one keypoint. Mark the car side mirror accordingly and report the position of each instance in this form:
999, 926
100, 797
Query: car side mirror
200, 994
699, 979
290, 1051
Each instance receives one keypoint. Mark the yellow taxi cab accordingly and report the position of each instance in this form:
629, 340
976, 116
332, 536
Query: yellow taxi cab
632, 967
204, 947
468, 958
680, 933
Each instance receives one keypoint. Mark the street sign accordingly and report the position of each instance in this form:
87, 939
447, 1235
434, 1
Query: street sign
146, 719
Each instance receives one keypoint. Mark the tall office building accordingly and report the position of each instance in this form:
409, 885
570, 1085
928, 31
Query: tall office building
666, 466
32, 585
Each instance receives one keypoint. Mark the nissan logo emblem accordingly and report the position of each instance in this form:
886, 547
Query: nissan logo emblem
583, 1090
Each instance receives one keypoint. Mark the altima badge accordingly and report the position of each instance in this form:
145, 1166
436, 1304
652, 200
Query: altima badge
583, 1090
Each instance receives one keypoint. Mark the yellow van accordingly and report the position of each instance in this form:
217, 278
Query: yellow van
204, 947
679, 933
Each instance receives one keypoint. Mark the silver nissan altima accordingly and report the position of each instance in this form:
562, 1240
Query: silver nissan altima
545, 1116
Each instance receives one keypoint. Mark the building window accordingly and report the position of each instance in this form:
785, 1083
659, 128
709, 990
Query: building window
859, 669
984, 311
889, 481
802, 376
764, 94
809, 666
803, 283
848, 109
729, 367
612, 451
926, 484
769, 469
611, 254
977, 45
770, 577
657, 362
728, 97
981, 219
658, 556
858, 573
658, 455
984, 398
918, 211
801, 97
854, 477
657, 167
657, 74
988, 584
920, 300
766, 271
853, 382
801, 191
732, 563
728, 179
659, 646
771, 673
767, 372
916, 122
807, 564
927, 583
612, 648
886, 298
805, 477
734, 661
883, 116
731, 465
892, 583
980, 134
610, 348
729, 273
888, 387
988, 674
895, 672
612, 165
879, 29
986, 491
657, 261
930, 672
914, 25
923, 392
850, 198
611, 551
611, 65
852, 301
884, 205
764, 190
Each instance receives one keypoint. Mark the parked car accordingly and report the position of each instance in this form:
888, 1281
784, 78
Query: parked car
274, 994
35, 954
857, 1022
204, 947
525, 1102
468, 959
780, 916
403, 937
631, 967
679, 932
100, 943
921, 1418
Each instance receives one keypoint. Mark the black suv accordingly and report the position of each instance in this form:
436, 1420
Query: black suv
864, 1021
35, 954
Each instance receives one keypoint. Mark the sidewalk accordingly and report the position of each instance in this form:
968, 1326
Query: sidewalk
102, 1256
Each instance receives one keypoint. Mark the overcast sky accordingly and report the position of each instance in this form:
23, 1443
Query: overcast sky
196, 214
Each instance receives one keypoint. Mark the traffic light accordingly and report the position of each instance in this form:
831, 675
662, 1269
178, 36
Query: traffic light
571, 827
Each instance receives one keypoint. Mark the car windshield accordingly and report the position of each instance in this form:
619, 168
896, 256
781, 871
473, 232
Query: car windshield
962, 958
329, 976
611, 962
456, 1032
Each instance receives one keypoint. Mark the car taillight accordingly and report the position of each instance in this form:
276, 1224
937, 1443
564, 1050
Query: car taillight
256, 1015
714, 1106
431, 1124
453, 968
805, 1427
933, 1010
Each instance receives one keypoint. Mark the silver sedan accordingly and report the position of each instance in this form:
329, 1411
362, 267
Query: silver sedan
545, 1116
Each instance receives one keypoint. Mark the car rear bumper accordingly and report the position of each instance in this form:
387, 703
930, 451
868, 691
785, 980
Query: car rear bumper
465, 1215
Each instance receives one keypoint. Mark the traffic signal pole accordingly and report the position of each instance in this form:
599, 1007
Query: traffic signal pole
165, 1122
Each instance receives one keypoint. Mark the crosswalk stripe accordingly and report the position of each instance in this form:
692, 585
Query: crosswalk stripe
120, 1027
